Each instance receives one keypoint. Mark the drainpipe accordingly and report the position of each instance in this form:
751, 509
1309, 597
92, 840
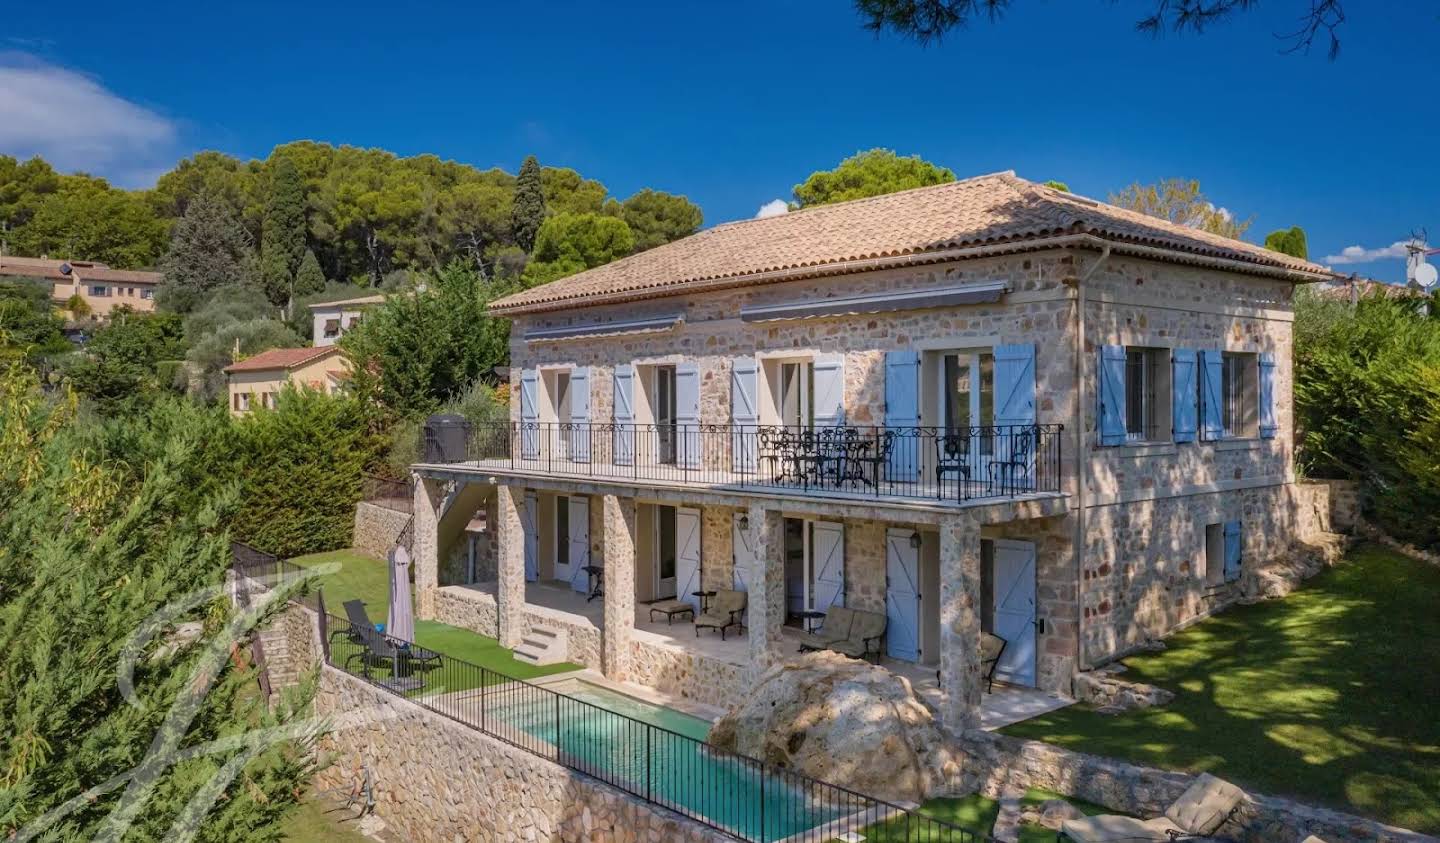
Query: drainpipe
1082, 460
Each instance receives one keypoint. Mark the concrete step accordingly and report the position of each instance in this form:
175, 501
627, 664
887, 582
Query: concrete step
543, 645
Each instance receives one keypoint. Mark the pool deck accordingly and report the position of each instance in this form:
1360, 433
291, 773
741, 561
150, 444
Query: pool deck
1006, 705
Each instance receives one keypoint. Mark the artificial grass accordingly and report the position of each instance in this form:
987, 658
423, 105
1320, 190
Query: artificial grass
367, 579
974, 812
1328, 696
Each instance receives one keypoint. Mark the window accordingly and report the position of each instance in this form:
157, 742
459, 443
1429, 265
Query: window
1147, 389
1214, 572
242, 402
100, 290
796, 406
332, 328
1237, 391
969, 397
147, 293
665, 413
267, 400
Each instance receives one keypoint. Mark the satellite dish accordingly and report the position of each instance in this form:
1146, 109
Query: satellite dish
1425, 275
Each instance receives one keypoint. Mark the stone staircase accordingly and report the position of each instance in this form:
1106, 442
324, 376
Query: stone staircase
543, 645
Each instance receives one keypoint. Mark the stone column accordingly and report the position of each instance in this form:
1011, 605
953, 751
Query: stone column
425, 545
510, 566
619, 550
766, 606
960, 621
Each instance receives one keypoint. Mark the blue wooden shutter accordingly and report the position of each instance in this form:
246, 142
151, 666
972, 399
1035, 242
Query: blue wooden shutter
829, 385
624, 445
529, 414
902, 412
1212, 426
687, 414
1112, 395
1015, 385
1183, 421
1269, 426
827, 558
579, 414
744, 415
1232, 551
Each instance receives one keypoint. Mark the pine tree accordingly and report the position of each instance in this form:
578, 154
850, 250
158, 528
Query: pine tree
208, 249
310, 278
282, 239
529, 210
91, 548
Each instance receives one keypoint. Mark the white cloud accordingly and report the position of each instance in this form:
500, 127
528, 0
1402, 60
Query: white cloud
773, 208
77, 124
1360, 254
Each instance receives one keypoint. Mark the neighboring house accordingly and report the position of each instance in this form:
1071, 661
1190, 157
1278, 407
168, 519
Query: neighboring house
256, 382
102, 288
334, 318
984, 406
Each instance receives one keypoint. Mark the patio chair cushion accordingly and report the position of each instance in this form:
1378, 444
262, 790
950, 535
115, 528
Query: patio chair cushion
990, 647
672, 607
836, 626
1111, 828
866, 625
814, 641
1205, 805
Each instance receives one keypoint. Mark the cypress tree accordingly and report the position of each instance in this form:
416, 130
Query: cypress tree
310, 278
282, 238
529, 210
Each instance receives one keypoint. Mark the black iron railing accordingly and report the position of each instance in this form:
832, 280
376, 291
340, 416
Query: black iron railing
257, 572
954, 464
740, 796
393, 494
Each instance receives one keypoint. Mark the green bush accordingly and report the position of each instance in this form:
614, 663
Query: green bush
1367, 397
300, 472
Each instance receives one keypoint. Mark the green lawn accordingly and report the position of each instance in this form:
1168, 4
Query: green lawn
974, 812
361, 577
1331, 695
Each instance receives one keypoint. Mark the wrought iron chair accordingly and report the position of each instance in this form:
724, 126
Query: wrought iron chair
952, 456
1006, 473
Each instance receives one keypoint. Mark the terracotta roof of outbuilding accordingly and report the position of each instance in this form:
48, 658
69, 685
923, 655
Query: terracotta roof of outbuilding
985, 210
86, 270
376, 299
282, 358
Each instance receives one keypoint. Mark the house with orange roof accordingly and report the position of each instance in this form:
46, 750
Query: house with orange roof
987, 434
103, 289
255, 382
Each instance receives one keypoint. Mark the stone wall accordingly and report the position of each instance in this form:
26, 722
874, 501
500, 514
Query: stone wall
436, 779
376, 528
685, 674
996, 763
475, 609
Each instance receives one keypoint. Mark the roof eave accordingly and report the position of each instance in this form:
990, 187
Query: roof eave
846, 267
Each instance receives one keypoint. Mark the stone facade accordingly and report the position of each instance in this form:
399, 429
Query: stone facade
469, 608
376, 528
996, 763
435, 779
687, 675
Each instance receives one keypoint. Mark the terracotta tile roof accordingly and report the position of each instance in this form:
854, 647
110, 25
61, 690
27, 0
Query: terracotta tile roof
282, 358
85, 270
376, 299
994, 209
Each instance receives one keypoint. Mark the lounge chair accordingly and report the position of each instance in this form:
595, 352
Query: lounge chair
1197, 814
725, 611
835, 628
867, 630
363, 632
671, 608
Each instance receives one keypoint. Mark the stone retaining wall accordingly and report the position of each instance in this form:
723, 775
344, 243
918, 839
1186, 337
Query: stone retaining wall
436, 779
468, 608
475, 609
687, 675
996, 763
376, 528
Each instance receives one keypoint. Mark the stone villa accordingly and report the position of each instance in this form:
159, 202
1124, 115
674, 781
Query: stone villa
984, 406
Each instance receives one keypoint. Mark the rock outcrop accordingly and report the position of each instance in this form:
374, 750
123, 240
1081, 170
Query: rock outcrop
1104, 689
843, 721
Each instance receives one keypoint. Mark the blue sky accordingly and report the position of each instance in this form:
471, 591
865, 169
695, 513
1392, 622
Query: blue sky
734, 103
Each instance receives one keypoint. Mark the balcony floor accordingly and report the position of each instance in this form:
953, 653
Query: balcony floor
952, 493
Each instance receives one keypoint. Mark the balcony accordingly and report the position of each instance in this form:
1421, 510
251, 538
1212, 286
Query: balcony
909, 463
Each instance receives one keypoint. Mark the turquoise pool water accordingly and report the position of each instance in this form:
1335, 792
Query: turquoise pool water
669, 764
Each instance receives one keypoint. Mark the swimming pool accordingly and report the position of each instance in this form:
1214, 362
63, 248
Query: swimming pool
660, 754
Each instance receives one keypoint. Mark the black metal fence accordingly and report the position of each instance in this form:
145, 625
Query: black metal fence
257, 571
398, 495
935, 463
741, 796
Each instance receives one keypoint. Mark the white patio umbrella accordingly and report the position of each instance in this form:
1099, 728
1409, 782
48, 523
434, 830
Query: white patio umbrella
400, 622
